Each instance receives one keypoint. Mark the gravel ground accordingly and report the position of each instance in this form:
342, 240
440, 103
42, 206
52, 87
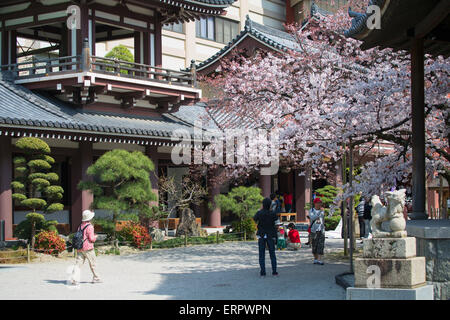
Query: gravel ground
223, 271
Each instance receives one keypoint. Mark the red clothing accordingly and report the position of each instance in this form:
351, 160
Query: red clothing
294, 236
88, 236
288, 198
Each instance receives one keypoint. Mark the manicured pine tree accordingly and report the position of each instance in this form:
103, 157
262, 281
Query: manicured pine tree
121, 184
35, 186
121, 53
242, 201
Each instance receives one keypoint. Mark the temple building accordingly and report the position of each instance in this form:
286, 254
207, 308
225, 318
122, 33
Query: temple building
57, 84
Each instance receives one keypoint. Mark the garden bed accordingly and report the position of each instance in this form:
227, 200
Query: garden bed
15, 255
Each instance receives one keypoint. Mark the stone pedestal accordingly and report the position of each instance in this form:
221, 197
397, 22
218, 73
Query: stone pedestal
400, 274
421, 293
433, 243
395, 273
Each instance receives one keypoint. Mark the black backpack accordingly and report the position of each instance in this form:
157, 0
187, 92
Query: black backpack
78, 238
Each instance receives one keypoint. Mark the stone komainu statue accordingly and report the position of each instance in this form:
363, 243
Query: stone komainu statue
393, 213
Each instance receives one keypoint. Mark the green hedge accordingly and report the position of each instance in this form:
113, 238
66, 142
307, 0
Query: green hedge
211, 239
332, 222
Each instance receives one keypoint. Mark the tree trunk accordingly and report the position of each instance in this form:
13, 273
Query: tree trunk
33, 232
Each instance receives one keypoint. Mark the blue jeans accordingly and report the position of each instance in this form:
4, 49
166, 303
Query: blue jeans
262, 254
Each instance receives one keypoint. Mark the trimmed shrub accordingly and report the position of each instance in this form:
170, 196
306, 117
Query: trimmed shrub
33, 183
23, 229
31, 145
49, 242
135, 233
55, 207
248, 225
39, 164
34, 203
332, 222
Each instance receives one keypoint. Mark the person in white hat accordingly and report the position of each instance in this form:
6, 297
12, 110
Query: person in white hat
87, 252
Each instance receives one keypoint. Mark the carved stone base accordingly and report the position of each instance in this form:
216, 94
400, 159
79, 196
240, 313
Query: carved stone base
388, 248
394, 273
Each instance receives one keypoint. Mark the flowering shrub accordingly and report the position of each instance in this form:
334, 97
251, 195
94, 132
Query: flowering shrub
136, 234
49, 242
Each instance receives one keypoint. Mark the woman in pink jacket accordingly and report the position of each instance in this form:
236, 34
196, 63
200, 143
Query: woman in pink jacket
87, 252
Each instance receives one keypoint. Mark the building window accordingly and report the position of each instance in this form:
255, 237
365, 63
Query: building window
175, 27
217, 29
204, 28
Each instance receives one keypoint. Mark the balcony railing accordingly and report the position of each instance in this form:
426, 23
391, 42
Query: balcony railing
82, 63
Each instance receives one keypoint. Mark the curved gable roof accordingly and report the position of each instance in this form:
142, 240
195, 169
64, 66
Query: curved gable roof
269, 37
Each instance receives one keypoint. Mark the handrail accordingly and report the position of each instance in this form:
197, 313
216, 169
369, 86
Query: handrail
77, 63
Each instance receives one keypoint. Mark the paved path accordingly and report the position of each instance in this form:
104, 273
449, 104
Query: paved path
224, 271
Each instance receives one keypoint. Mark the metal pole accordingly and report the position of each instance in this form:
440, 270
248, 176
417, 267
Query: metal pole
217, 236
28, 253
418, 130
352, 234
245, 235
344, 202
441, 198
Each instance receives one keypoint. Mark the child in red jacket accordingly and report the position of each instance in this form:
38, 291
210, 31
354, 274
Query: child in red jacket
294, 238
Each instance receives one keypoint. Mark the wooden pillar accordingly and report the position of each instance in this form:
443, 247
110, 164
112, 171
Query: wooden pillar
6, 204
265, 185
13, 46
83, 33
1, 46
9, 47
137, 47
214, 214
64, 47
418, 130
81, 200
290, 14
302, 194
158, 42
147, 48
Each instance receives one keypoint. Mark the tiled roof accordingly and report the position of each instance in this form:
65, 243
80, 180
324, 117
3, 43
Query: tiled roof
276, 39
22, 107
213, 116
213, 2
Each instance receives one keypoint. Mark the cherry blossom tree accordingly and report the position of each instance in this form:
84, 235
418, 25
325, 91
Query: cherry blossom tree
329, 93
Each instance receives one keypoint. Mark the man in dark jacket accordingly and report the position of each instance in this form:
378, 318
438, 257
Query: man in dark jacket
360, 211
367, 216
267, 233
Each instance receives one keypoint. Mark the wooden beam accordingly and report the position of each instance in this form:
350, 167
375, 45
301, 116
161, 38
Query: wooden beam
418, 130
37, 51
432, 20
